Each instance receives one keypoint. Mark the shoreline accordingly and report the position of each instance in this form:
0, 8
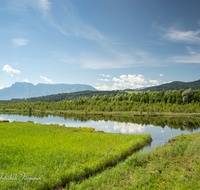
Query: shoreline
81, 112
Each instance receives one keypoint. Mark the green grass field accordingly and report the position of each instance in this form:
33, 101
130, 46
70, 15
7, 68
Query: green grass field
36, 156
173, 166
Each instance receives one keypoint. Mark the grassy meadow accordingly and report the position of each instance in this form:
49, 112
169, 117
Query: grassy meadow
36, 156
173, 166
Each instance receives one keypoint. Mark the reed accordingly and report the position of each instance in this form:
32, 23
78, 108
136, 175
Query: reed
36, 156
173, 166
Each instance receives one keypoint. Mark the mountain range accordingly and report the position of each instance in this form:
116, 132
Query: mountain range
27, 90
21, 90
175, 85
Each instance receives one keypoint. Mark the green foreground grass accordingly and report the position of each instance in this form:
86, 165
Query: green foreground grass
173, 166
36, 156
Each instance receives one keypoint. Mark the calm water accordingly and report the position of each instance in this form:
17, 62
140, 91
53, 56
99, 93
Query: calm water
170, 126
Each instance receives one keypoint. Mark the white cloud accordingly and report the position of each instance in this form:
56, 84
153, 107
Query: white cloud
175, 35
116, 80
69, 23
126, 86
104, 87
116, 59
46, 80
17, 42
130, 81
1, 87
22, 6
10, 70
104, 80
161, 75
194, 57
139, 79
105, 75
190, 50
154, 82
25, 80
187, 59
44, 5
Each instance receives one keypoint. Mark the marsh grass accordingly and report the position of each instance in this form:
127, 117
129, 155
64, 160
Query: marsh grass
173, 166
36, 156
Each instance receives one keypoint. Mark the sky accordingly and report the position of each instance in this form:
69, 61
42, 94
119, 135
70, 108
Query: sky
108, 44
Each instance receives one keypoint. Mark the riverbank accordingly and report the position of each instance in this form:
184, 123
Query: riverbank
175, 165
114, 113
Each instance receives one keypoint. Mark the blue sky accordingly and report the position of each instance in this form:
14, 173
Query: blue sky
108, 44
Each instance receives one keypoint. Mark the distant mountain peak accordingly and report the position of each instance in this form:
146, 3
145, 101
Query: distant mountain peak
28, 90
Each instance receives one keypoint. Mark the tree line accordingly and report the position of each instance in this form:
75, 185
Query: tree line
181, 101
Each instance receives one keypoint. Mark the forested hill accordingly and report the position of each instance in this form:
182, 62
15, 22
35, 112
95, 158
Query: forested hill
64, 96
176, 85
28, 90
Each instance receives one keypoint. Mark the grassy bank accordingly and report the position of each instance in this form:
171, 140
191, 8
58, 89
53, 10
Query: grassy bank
173, 166
36, 156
